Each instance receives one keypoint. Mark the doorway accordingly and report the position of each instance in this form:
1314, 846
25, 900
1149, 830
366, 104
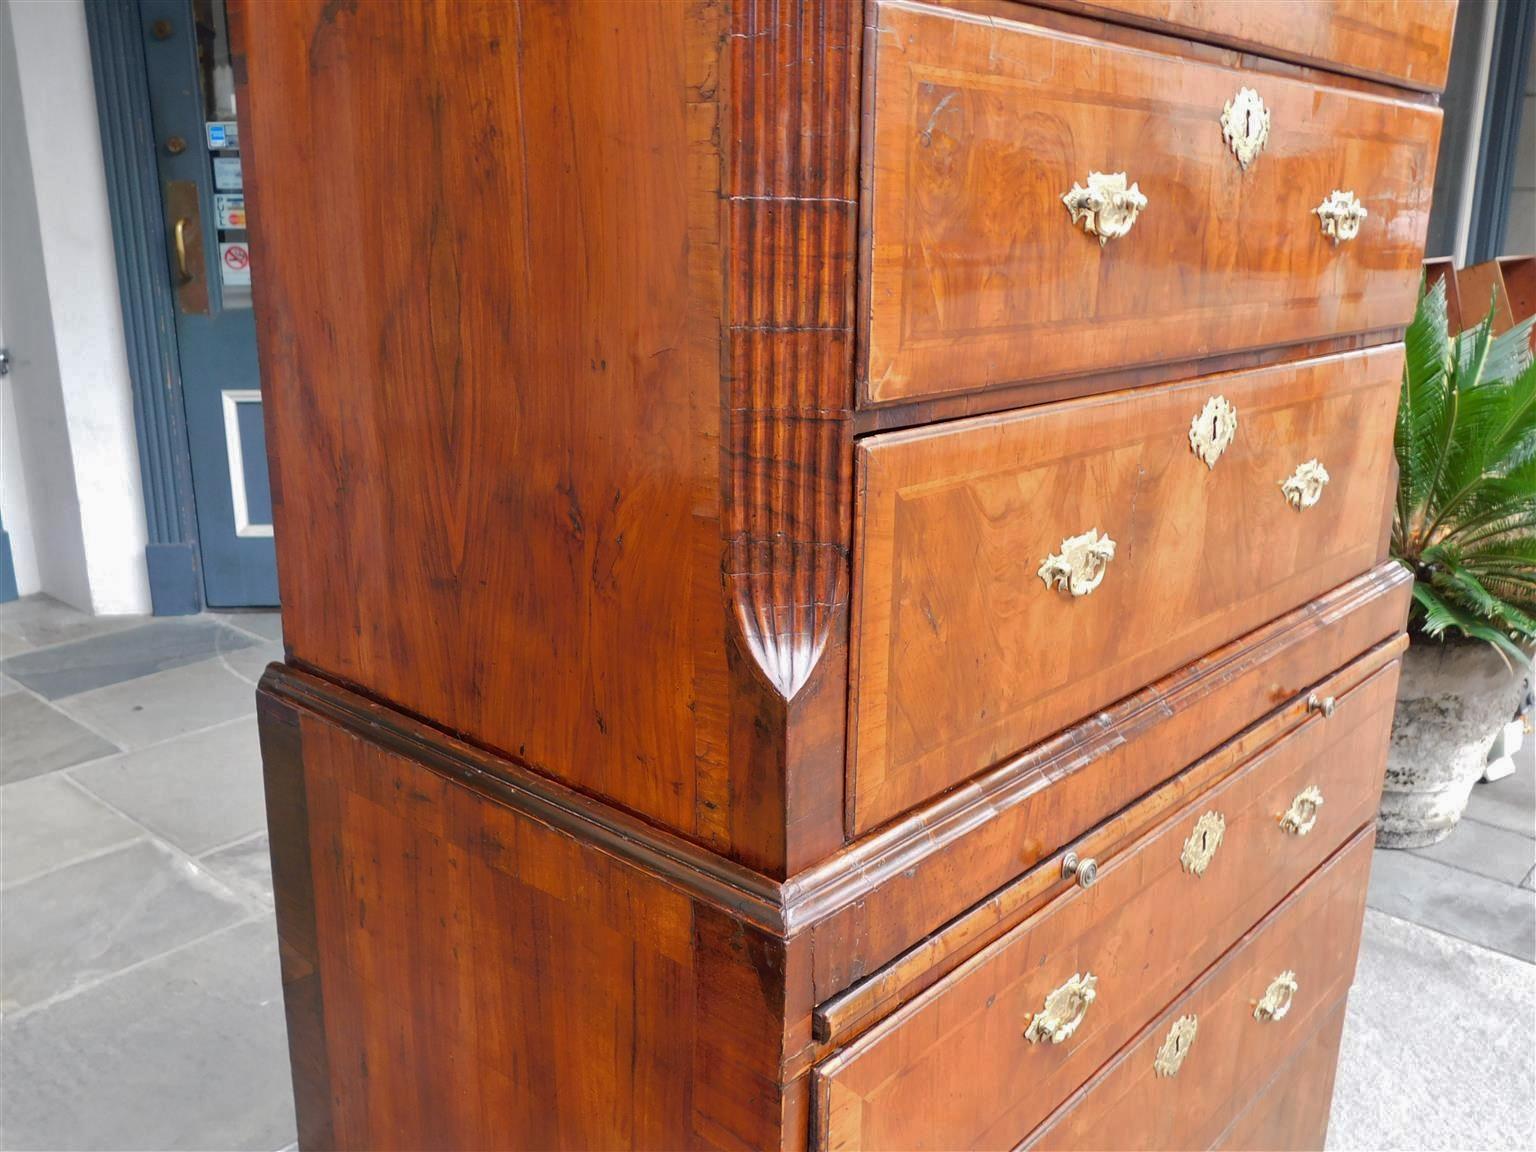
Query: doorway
172, 146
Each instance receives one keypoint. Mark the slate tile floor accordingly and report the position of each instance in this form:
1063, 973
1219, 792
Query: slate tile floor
138, 960
138, 963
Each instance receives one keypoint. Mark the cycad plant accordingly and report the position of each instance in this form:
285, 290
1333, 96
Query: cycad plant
1466, 499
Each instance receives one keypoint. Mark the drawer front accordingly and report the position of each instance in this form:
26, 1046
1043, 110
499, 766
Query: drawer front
977, 274
1292, 1109
1401, 41
1182, 1081
963, 654
985, 1039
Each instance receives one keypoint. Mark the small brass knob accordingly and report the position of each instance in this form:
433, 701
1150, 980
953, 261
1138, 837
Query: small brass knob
1323, 704
175, 145
1086, 871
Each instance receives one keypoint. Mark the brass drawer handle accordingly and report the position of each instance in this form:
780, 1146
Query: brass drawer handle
1245, 126
1079, 567
1064, 1010
1086, 872
1211, 432
1304, 487
1176, 1046
1298, 819
1276, 1001
1200, 848
1106, 207
1323, 704
1340, 215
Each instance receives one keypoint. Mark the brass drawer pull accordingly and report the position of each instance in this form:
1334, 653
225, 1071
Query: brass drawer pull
1211, 432
1304, 487
1200, 848
1340, 215
1079, 566
1299, 818
1064, 1010
1245, 126
1323, 704
1086, 871
1276, 1001
1106, 207
1180, 1039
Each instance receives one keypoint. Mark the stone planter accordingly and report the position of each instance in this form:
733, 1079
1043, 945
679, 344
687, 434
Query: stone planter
1452, 701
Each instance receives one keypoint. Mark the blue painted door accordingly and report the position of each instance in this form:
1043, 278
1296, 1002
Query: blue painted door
197, 146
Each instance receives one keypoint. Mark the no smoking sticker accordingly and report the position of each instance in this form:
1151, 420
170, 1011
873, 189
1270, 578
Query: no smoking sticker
235, 265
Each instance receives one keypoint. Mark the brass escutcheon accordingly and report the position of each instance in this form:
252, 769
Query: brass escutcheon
1064, 1010
1176, 1046
1276, 1001
1212, 431
1245, 126
1298, 819
1200, 848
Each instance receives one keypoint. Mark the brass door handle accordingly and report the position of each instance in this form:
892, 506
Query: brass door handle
1339, 216
1080, 565
1298, 819
183, 273
1304, 487
1106, 206
1276, 1001
1064, 1010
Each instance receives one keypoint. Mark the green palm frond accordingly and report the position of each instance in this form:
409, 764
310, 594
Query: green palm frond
1465, 521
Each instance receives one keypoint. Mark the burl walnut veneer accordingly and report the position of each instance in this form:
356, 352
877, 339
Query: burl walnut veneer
833, 559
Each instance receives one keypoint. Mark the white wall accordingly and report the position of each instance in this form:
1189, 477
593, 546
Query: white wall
68, 400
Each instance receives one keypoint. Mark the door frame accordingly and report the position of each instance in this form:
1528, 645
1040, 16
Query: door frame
173, 554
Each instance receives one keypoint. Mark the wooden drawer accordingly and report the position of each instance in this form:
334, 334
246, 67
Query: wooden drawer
976, 274
961, 653
1401, 41
1292, 1109
1149, 925
1149, 1097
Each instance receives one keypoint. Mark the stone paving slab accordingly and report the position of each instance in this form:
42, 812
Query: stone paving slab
48, 822
1439, 1047
89, 920
187, 1051
70, 669
149, 709
35, 738
1461, 904
199, 791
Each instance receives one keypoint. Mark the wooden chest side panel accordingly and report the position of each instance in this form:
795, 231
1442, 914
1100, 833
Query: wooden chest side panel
964, 656
490, 345
977, 275
1402, 41
463, 975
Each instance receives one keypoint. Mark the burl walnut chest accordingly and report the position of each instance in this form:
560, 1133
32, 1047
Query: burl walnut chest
833, 560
